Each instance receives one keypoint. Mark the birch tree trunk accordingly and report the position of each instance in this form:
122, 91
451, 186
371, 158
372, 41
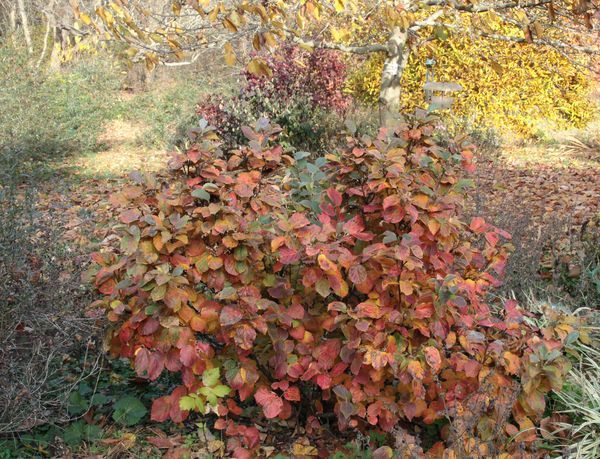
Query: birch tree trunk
12, 20
391, 76
25, 25
45, 44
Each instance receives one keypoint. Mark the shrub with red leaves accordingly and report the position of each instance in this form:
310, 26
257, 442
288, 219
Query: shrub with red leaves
370, 305
303, 95
319, 75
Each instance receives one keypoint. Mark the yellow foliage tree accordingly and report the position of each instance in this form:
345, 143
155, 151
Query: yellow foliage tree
516, 87
395, 29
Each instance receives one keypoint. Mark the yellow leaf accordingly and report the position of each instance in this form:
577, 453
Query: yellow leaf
256, 42
151, 60
117, 9
259, 67
229, 25
406, 287
433, 225
85, 18
176, 7
212, 17
270, 39
298, 449
421, 200
229, 54
512, 362
339, 5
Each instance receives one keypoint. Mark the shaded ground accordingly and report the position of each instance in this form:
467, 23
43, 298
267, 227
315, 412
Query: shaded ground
79, 205
548, 183
548, 198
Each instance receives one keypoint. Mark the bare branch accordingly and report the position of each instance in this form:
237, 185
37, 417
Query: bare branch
543, 42
430, 21
485, 7
364, 49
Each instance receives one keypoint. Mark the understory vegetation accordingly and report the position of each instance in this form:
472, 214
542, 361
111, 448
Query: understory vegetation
283, 278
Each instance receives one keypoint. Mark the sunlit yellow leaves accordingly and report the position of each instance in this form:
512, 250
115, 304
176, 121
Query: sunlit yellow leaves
339, 5
176, 7
229, 56
106, 16
214, 14
259, 67
85, 18
229, 25
532, 94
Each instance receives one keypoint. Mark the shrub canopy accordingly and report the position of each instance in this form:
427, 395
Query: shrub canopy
359, 292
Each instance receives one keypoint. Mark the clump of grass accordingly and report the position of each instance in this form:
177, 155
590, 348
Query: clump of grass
580, 400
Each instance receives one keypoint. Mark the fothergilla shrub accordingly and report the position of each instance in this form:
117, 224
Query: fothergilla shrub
368, 304
303, 95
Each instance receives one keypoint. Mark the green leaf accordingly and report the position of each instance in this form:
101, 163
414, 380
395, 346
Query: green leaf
151, 309
99, 399
212, 399
129, 411
221, 391
77, 404
191, 403
211, 377
322, 287
201, 194
80, 431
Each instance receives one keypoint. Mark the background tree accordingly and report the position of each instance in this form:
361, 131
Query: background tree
397, 29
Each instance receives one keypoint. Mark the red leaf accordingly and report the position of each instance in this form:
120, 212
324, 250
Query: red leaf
245, 336
368, 309
433, 358
149, 364
289, 256
323, 381
108, 287
160, 409
355, 225
269, 401
230, 315
478, 225
175, 412
187, 355
327, 353
292, 394
334, 196
357, 274
129, 216
392, 209
298, 220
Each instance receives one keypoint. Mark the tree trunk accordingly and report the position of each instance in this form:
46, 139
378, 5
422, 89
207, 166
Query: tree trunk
12, 20
25, 25
45, 44
391, 76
